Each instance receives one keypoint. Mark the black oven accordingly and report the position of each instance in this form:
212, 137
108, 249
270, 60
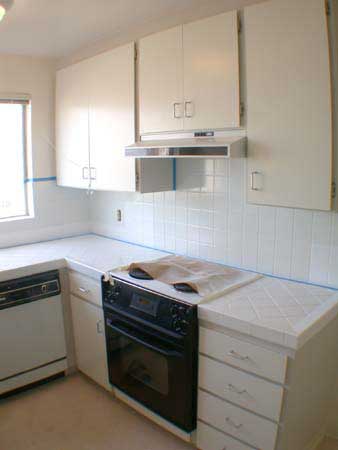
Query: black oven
152, 350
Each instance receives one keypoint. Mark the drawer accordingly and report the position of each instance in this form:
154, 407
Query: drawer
210, 439
242, 354
86, 288
260, 396
241, 424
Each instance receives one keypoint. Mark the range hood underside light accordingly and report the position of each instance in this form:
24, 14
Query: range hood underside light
185, 148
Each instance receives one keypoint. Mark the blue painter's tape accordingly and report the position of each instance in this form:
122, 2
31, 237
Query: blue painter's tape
174, 174
39, 180
308, 283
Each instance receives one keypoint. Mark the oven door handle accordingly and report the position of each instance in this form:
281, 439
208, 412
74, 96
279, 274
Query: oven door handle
133, 337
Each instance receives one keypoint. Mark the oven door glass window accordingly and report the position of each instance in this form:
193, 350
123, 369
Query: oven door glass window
138, 364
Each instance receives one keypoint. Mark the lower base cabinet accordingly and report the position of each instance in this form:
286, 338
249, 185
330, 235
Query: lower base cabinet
210, 439
90, 342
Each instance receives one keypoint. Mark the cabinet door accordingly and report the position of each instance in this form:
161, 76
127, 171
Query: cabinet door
289, 104
112, 119
161, 82
90, 343
211, 72
72, 146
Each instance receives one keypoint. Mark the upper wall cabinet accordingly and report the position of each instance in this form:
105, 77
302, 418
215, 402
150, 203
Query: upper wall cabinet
95, 115
289, 104
95, 121
189, 77
112, 119
72, 126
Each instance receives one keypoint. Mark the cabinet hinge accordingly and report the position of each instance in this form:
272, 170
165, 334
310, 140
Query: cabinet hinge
242, 109
240, 26
328, 8
334, 190
137, 175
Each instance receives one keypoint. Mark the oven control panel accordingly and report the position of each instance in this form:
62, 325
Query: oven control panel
149, 306
180, 315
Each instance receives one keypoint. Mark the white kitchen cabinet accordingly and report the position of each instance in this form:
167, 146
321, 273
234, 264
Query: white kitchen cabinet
112, 119
72, 126
256, 408
90, 343
289, 104
160, 79
95, 121
189, 77
211, 73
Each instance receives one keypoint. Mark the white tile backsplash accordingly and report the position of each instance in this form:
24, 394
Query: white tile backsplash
213, 221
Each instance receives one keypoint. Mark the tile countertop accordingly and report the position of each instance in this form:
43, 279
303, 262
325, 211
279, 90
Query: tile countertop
282, 312
91, 255
277, 311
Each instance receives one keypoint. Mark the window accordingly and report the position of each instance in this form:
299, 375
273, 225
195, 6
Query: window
13, 159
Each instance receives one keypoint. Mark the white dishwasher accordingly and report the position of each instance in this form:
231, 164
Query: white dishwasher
32, 335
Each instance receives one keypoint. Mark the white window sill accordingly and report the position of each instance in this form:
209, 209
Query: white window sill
17, 218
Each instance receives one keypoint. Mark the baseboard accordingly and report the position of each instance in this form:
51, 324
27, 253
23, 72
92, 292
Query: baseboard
315, 442
188, 437
33, 376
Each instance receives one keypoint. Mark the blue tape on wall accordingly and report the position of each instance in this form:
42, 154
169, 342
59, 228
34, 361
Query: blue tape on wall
39, 180
174, 174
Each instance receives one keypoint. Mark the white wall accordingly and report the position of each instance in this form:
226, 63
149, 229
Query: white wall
214, 222
58, 211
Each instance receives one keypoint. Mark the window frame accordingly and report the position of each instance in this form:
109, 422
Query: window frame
25, 102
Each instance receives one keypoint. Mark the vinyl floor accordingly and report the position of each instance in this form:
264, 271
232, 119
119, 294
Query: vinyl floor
75, 414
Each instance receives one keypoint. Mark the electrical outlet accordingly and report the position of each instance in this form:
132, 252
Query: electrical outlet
119, 215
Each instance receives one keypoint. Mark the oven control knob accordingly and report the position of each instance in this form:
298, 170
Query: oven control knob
176, 324
113, 294
174, 309
184, 326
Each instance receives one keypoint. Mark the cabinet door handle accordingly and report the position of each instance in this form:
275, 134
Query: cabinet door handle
252, 180
177, 107
188, 109
83, 290
236, 355
98, 327
233, 424
93, 173
85, 173
233, 388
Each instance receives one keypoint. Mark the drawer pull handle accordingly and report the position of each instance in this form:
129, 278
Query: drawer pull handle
233, 424
236, 355
233, 388
177, 106
83, 290
99, 327
252, 181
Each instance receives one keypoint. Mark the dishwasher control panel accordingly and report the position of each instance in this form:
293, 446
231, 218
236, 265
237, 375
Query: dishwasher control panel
29, 289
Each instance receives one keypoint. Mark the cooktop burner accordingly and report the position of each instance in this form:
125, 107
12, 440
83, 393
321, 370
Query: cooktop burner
140, 274
184, 287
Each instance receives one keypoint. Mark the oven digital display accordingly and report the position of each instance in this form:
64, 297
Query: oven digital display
144, 304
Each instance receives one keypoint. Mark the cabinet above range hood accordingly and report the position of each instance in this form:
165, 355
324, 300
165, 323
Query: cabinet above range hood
217, 147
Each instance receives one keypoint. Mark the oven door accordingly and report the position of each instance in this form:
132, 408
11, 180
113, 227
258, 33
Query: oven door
146, 365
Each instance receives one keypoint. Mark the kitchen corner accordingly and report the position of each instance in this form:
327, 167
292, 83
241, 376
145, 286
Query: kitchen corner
169, 225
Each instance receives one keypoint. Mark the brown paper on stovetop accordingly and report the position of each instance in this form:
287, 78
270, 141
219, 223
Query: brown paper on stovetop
204, 277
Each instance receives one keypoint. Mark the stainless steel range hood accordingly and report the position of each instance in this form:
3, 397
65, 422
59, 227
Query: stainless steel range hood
189, 148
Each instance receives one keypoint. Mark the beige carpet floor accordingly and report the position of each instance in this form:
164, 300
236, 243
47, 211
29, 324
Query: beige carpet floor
75, 414
329, 444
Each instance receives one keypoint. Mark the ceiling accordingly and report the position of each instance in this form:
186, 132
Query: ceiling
59, 28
